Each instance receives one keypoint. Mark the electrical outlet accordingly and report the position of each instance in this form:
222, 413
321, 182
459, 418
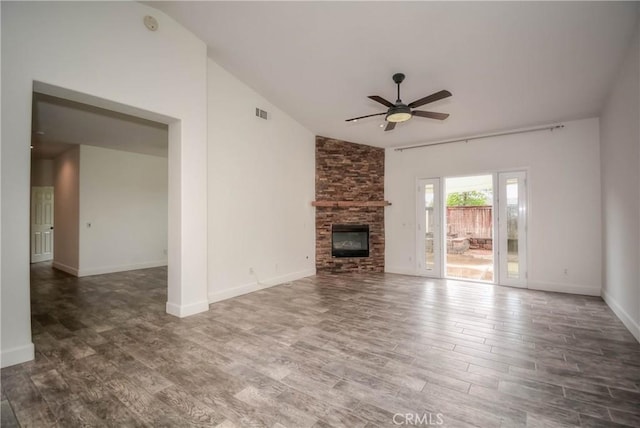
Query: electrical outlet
164, 251
566, 271
251, 271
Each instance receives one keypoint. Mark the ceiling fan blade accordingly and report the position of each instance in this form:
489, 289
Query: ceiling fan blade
362, 117
390, 126
381, 100
430, 114
431, 98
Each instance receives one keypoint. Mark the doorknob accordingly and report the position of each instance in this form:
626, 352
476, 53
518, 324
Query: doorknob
51, 228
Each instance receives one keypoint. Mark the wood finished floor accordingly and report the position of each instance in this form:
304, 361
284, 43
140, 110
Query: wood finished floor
350, 350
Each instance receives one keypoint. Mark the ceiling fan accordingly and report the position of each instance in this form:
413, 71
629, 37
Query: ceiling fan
401, 112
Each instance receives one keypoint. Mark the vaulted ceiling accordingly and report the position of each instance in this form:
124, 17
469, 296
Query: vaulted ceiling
508, 64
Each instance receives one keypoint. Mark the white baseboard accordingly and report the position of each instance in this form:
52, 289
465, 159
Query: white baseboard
108, 269
182, 311
21, 354
586, 290
64, 268
121, 268
401, 271
632, 326
217, 296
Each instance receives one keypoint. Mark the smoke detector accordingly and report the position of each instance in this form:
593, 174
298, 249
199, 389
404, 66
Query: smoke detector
151, 23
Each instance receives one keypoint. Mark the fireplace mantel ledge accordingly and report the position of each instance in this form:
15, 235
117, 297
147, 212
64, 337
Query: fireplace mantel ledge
346, 204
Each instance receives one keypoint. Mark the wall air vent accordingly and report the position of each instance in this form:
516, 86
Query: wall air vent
261, 113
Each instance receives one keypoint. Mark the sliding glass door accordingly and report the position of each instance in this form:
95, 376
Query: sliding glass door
473, 228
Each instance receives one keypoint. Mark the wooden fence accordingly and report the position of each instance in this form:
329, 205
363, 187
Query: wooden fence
475, 222
470, 222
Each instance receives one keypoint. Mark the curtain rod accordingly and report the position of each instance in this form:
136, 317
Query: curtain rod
479, 137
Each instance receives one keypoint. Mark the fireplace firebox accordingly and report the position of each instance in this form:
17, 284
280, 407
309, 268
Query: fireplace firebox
350, 240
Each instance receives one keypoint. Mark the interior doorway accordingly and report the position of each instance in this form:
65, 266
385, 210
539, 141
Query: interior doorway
469, 228
105, 222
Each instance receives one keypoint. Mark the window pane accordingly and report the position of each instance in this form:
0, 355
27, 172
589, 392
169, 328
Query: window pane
428, 203
513, 256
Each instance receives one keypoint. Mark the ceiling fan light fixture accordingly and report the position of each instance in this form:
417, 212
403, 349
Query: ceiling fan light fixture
399, 114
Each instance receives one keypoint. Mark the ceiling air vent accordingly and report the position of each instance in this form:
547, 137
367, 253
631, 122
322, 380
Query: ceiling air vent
261, 113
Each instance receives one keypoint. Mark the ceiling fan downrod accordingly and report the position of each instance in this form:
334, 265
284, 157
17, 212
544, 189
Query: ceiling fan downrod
398, 78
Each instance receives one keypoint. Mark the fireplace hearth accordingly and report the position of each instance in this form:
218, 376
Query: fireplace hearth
350, 240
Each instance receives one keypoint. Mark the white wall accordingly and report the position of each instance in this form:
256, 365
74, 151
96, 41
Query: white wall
103, 52
261, 184
66, 209
620, 163
42, 172
124, 197
564, 199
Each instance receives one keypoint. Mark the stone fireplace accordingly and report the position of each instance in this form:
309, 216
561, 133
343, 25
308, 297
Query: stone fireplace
349, 207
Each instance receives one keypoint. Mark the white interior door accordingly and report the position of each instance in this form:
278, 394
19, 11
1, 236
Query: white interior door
41, 224
428, 238
512, 224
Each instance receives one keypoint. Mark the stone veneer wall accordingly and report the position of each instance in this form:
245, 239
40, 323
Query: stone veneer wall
349, 172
